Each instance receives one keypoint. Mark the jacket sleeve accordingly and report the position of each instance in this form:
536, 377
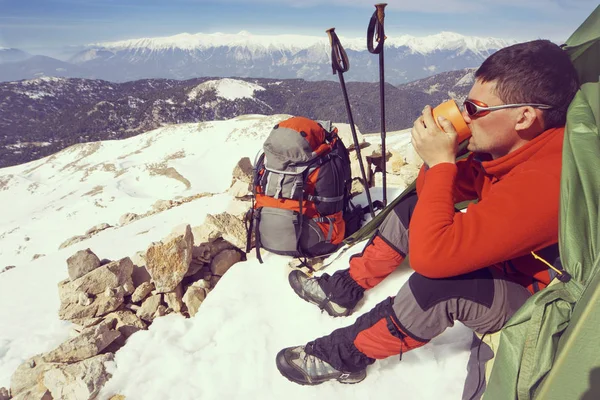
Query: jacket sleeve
519, 214
468, 172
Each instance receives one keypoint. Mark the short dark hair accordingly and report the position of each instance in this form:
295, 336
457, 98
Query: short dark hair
533, 72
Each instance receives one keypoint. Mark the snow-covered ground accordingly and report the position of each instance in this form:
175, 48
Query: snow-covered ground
227, 351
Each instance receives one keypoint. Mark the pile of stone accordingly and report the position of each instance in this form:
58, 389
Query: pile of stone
108, 301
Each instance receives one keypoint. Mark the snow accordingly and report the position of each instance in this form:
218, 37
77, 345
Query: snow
228, 89
36, 95
296, 43
227, 351
42, 79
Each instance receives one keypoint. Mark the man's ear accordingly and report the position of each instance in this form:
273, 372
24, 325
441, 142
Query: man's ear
528, 118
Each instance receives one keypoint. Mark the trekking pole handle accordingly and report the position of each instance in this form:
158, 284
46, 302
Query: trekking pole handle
339, 58
380, 12
376, 26
330, 33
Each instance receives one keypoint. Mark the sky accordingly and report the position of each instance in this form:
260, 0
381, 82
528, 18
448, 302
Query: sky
228, 350
43, 26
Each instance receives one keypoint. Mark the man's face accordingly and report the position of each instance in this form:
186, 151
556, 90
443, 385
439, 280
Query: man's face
494, 132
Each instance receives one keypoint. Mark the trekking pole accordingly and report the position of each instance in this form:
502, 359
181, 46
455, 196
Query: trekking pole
376, 25
339, 65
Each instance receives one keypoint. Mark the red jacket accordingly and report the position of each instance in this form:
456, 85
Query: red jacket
517, 213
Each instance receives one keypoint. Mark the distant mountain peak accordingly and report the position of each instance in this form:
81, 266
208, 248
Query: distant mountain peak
426, 44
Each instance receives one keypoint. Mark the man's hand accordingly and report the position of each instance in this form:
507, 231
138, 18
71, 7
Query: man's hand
434, 145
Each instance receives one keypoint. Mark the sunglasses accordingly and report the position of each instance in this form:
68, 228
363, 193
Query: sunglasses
478, 109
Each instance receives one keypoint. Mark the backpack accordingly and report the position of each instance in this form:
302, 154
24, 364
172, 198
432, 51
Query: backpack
301, 191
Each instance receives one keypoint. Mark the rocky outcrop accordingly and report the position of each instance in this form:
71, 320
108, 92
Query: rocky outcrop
106, 308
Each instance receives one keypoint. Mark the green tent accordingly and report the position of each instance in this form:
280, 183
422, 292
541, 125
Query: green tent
550, 349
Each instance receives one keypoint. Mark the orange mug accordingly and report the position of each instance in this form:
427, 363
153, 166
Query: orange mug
449, 110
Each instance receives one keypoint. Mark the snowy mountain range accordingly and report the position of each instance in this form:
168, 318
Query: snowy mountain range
227, 350
44, 115
186, 56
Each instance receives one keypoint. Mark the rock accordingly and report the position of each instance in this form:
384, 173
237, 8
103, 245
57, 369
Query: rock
202, 253
202, 283
81, 263
7, 268
174, 299
36, 256
243, 170
39, 392
79, 381
238, 208
220, 245
139, 259
207, 276
345, 133
357, 187
4, 395
392, 181
162, 205
195, 265
206, 233
355, 167
82, 323
73, 240
228, 227
409, 173
239, 189
132, 307
97, 229
142, 291
214, 280
193, 298
167, 263
128, 287
161, 311
128, 218
114, 275
83, 299
27, 376
224, 260
140, 275
126, 322
88, 344
117, 397
149, 307
395, 164
410, 156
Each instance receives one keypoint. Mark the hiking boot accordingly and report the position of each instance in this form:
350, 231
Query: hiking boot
303, 368
309, 289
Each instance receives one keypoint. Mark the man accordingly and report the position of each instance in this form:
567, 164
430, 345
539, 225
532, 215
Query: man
475, 267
